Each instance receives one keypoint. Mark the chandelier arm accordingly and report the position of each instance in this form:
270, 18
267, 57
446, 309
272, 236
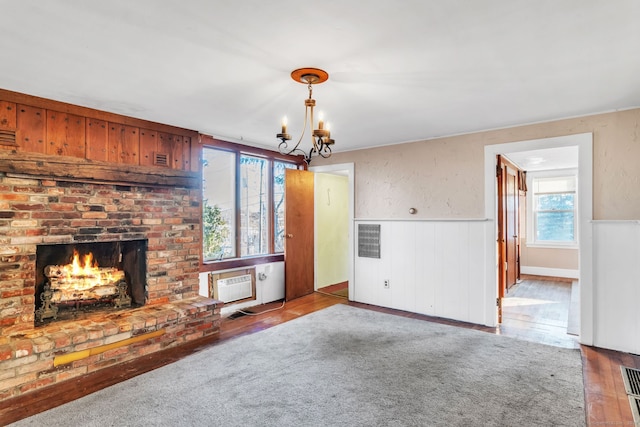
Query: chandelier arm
310, 108
325, 149
307, 158
283, 149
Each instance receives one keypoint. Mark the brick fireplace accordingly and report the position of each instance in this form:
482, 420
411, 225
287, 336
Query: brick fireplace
37, 210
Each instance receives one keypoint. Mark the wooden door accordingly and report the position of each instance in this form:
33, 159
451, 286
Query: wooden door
299, 244
508, 226
511, 219
501, 243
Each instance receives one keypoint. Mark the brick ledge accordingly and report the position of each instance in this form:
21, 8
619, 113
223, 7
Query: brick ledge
27, 357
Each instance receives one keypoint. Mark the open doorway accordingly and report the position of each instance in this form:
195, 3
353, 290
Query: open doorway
334, 214
542, 301
524, 154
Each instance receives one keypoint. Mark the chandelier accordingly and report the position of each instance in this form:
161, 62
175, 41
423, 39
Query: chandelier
320, 137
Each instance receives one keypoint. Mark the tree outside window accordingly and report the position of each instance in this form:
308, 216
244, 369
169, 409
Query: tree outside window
219, 204
278, 201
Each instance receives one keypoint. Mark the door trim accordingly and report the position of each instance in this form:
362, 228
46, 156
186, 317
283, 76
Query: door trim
349, 170
584, 142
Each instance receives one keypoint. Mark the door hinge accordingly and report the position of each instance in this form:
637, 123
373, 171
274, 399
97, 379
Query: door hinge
498, 171
498, 302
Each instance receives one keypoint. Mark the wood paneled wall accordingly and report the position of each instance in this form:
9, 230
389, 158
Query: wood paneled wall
616, 268
434, 267
37, 125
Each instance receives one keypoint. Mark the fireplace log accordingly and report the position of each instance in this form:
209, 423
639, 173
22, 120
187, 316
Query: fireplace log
97, 284
74, 295
99, 273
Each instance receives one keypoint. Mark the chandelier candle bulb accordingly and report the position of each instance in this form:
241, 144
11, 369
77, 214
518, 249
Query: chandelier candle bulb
284, 124
321, 121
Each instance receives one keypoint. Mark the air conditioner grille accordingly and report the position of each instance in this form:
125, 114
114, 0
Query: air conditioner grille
234, 288
234, 280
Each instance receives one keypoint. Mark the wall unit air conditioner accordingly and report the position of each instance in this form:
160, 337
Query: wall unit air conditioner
233, 286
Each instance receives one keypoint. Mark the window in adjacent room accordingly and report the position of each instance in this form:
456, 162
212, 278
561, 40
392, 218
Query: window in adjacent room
554, 210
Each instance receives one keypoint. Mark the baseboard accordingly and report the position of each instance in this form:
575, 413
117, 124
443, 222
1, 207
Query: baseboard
552, 272
335, 287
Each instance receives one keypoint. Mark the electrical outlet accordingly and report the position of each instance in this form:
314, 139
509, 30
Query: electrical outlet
386, 283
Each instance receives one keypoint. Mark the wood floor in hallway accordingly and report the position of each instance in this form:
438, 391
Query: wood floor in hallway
537, 309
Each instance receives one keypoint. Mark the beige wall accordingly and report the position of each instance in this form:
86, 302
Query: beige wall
566, 259
444, 178
332, 225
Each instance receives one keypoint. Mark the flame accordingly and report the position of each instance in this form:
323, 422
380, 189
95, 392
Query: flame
84, 272
88, 267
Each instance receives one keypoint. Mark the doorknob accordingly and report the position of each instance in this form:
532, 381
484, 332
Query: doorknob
289, 236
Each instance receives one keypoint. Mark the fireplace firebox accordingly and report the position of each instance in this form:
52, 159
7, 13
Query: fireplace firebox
78, 278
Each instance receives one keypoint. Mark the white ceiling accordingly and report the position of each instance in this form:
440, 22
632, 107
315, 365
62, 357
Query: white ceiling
546, 159
400, 70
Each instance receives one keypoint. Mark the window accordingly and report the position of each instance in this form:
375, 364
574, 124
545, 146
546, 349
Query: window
254, 198
554, 209
278, 203
219, 204
243, 204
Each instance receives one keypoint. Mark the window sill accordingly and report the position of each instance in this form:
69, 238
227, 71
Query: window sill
239, 262
552, 245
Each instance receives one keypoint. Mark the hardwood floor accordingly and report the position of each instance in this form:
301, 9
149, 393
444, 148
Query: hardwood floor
537, 309
339, 290
606, 401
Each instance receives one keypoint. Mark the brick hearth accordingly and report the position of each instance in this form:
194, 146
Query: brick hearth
36, 210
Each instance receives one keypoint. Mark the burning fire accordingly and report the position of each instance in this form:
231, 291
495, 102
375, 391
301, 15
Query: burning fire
88, 268
83, 274
83, 279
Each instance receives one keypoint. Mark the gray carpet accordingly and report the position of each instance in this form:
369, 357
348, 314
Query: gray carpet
345, 366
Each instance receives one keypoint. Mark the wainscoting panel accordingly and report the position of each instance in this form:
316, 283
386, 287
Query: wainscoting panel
617, 285
403, 277
432, 267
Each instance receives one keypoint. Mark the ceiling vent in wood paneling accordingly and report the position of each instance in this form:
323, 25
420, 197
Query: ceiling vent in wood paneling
161, 159
8, 137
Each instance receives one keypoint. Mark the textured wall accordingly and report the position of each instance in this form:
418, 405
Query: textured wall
443, 178
332, 225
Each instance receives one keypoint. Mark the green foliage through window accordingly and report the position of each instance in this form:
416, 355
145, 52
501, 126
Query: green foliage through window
215, 231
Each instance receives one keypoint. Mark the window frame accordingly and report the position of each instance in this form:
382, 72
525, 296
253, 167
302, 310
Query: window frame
271, 156
531, 240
